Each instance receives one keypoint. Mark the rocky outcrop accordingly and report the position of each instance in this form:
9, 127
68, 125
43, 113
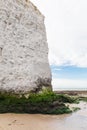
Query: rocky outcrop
24, 63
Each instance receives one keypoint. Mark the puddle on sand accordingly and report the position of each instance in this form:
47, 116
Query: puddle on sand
74, 121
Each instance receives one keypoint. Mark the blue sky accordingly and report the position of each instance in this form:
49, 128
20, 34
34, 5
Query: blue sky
66, 27
69, 77
70, 72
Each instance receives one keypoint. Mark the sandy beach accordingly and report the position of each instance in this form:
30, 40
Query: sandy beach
74, 121
26, 122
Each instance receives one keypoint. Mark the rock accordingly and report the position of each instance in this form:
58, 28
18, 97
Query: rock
57, 104
24, 63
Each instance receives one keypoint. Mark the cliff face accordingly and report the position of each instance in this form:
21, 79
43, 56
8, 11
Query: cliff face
23, 48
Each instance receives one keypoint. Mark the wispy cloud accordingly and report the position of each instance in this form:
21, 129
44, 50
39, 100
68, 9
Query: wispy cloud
66, 24
68, 84
70, 72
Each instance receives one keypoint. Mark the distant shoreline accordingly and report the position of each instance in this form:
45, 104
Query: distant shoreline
71, 92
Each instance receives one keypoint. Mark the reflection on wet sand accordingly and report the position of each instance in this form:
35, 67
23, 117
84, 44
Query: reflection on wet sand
74, 121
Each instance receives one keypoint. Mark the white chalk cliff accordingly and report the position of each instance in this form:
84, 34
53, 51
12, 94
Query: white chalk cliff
23, 48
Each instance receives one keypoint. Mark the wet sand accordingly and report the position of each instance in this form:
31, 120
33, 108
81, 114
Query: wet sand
74, 121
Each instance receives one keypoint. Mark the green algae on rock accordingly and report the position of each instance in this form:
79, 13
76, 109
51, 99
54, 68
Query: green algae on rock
46, 102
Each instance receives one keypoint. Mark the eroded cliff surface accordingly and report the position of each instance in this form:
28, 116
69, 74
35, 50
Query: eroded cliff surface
23, 47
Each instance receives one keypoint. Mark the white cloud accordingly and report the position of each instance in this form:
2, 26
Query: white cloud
69, 84
66, 24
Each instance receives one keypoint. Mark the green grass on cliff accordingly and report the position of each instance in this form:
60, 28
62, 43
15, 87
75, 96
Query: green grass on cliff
46, 102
